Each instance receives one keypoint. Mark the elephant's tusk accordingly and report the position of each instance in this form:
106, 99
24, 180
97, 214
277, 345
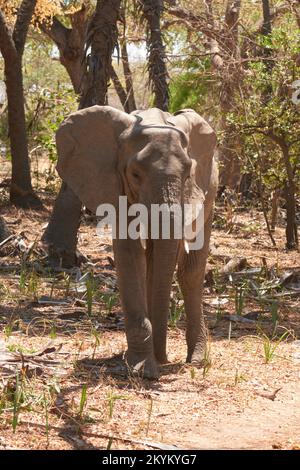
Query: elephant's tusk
143, 242
186, 247
143, 235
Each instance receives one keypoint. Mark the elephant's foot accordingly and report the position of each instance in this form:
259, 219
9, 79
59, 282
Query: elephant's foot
142, 365
160, 350
198, 356
61, 257
162, 358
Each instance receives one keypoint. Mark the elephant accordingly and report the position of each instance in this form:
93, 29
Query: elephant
152, 157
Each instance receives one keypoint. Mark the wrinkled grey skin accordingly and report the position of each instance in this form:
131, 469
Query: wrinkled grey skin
152, 157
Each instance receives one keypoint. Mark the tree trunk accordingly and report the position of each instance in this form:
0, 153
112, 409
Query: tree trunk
266, 30
158, 74
289, 190
291, 226
70, 43
61, 233
266, 27
12, 47
101, 37
230, 165
21, 193
274, 208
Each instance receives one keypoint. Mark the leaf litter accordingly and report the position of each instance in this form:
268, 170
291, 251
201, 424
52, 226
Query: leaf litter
51, 344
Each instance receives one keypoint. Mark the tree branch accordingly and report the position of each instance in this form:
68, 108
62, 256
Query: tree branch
276, 12
56, 31
7, 46
128, 76
24, 16
217, 59
197, 23
119, 89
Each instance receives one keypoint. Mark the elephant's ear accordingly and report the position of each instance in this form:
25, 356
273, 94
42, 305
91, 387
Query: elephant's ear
202, 142
87, 147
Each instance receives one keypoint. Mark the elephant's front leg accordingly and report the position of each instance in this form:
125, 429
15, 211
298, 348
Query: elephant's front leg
191, 274
131, 269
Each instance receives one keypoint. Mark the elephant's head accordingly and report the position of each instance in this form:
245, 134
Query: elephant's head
151, 157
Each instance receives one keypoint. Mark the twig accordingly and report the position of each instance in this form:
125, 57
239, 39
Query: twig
269, 396
153, 444
7, 240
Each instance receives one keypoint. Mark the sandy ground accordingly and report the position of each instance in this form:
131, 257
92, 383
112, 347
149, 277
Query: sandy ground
75, 395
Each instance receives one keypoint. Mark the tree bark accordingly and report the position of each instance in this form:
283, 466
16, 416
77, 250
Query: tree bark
290, 191
61, 233
158, 74
274, 208
266, 30
291, 226
230, 165
12, 48
20, 189
70, 43
102, 37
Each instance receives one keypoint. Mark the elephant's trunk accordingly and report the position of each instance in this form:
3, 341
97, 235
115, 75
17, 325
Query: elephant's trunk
161, 263
162, 256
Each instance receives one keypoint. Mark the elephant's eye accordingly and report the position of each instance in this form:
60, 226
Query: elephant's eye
136, 176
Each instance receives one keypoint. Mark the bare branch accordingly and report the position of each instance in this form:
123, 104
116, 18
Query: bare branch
119, 89
128, 76
217, 59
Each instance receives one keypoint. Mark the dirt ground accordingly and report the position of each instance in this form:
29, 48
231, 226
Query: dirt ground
63, 383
